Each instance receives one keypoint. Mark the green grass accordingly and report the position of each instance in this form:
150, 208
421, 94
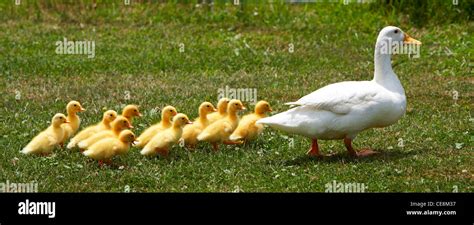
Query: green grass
137, 50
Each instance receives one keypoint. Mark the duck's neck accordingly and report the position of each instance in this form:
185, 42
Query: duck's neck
177, 129
165, 121
232, 115
383, 73
73, 119
203, 117
222, 110
116, 129
106, 123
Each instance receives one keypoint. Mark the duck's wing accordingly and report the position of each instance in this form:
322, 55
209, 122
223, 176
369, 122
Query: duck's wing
339, 98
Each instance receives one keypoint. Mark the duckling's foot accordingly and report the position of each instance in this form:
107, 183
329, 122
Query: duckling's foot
228, 142
215, 147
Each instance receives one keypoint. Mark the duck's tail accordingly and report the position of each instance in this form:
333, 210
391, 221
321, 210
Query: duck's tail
284, 121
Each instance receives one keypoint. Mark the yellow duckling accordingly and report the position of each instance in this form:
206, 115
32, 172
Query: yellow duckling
162, 142
220, 130
191, 132
72, 108
221, 110
166, 115
247, 129
44, 142
107, 148
119, 124
131, 111
87, 132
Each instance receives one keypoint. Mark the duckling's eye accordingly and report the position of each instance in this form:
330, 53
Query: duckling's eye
182, 118
75, 105
207, 106
171, 110
135, 110
396, 31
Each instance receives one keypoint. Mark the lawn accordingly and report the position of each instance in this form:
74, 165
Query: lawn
153, 55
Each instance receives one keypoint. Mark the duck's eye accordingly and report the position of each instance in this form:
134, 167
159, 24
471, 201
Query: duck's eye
135, 110
207, 106
171, 110
396, 31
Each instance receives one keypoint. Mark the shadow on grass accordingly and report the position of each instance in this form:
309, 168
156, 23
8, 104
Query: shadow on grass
384, 155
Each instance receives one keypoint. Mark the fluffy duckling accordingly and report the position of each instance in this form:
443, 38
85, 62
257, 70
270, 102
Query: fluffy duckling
166, 115
221, 111
107, 148
44, 142
162, 142
72, 108
248, 129
131, 111
191, 132
220, 130
119, 124
87, 132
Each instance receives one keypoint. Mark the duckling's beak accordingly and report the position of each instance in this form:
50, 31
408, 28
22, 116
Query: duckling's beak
82, 110
189, 122
175, 113
134, 143
270, 109
130, 126
139, 115
410, 40
243, 108
214, 110
67, 121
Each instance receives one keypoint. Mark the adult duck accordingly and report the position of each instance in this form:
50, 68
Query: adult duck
342, 110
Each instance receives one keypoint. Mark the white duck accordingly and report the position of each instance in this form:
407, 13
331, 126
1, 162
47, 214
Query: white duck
342, 110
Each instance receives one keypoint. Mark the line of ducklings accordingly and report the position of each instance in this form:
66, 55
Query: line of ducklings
112, 136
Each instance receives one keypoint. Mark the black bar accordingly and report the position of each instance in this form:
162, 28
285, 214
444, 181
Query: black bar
242, 208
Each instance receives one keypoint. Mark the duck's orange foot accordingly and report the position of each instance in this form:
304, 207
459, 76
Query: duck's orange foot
314, 150
366, 153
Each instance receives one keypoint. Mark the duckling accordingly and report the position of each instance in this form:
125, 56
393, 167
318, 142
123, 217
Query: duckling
72, 108
131, 111
44, 142
221, 110
248, 129
119, 124
220, 130
166, 115
162, 142
107, 148
191, 132
87, 132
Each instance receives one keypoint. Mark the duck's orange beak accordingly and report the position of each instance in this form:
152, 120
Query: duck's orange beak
130, 126
189, 122
67, 121
410, 40
174, 113
270, 109
82, 110
139, 115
